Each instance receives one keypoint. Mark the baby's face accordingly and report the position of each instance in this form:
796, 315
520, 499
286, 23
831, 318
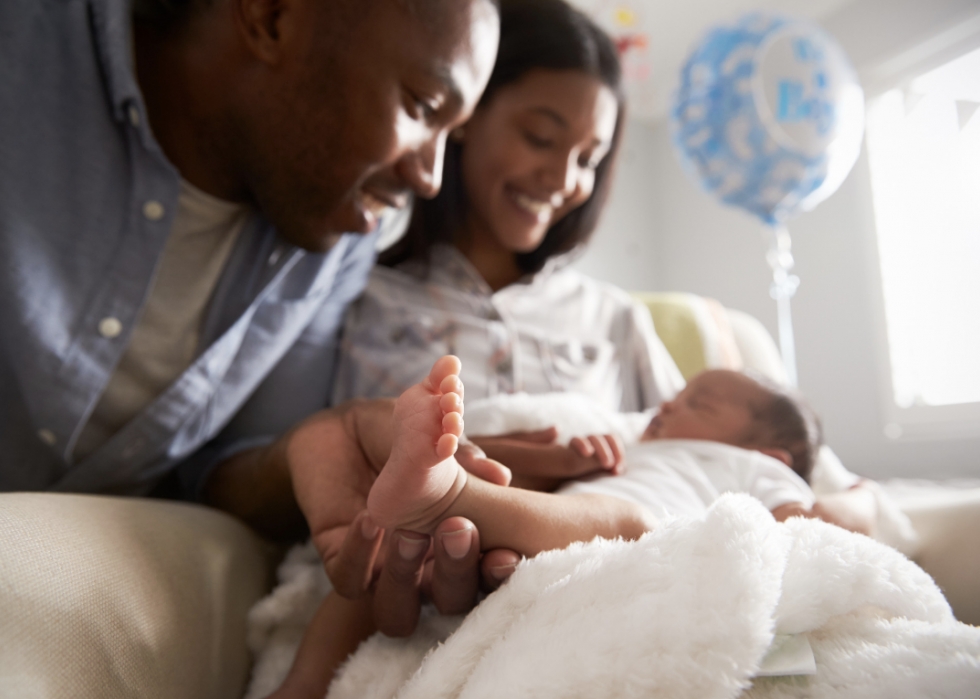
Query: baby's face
716, 405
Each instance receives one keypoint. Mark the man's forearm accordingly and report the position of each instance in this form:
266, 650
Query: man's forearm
255, 486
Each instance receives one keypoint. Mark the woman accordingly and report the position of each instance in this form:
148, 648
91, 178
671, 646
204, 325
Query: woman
482, 270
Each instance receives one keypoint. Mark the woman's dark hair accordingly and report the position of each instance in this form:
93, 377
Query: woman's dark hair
548, 34
788, 422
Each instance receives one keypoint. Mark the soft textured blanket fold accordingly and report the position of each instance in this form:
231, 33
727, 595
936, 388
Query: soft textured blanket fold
686, 611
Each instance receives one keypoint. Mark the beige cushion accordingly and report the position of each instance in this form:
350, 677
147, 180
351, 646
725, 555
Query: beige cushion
694, 329
948, 525
755, 344
110, 597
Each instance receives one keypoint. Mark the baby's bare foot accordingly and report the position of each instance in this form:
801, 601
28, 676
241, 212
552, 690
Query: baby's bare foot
421, 479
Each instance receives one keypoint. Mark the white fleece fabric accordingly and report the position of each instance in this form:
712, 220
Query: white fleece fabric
688, 610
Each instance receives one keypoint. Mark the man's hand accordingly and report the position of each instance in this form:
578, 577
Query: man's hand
326, 465
408, 565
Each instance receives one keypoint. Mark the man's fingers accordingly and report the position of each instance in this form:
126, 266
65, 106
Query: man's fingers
497, 565
350, 571
455, 574
396, 597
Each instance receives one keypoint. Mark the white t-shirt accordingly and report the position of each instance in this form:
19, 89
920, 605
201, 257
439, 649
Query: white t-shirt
165, 340
684, 476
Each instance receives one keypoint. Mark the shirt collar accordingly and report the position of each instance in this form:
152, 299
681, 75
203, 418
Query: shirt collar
450, 267
112, 26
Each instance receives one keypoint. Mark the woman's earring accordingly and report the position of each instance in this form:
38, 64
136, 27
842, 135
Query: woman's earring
457, 134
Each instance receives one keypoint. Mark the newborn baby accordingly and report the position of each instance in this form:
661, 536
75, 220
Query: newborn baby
724, 432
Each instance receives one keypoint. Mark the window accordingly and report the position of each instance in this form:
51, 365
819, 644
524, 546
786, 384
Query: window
924, 150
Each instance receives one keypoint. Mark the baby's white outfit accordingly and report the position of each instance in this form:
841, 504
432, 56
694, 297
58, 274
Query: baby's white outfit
685, 476
667, 476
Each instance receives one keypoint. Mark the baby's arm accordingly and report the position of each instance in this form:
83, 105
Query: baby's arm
791, 509
337, 629
855, 510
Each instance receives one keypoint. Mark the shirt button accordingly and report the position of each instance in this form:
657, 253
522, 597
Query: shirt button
134, 115
153, 210
47, 436
110, 327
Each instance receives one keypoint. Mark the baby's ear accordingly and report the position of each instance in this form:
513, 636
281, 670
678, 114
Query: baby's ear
780, 454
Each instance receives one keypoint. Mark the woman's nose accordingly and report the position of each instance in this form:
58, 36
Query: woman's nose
563, 174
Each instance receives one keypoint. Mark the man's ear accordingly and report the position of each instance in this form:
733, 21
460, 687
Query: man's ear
260, 23
779, 454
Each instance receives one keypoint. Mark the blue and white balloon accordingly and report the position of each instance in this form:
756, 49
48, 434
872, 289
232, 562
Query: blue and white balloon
769, 115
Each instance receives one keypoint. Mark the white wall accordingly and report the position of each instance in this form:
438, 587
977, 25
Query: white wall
662, 232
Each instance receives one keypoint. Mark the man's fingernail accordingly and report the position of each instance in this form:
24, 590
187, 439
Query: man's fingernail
369, 529
502, 572
458, 543
410, 548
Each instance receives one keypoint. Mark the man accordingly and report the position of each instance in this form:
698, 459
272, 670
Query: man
174, 188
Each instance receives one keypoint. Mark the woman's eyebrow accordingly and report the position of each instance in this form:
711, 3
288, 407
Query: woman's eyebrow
551, 114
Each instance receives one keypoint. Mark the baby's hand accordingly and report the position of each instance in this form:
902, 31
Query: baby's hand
541, 464
600, 451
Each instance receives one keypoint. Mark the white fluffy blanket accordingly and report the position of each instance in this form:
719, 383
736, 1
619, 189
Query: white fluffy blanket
687, 611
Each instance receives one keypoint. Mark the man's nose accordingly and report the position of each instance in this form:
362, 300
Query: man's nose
422, 168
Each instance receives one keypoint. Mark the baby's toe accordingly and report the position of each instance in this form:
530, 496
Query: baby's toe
452, 423
451, 384
446, 446
445, 367
451, 403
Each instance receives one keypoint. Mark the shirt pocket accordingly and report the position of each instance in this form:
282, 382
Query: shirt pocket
580, 365
422, 331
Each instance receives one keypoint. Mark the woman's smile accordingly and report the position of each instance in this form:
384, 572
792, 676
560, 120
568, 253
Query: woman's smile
540, 211
530, 154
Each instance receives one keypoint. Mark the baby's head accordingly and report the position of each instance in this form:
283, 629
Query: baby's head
748, 412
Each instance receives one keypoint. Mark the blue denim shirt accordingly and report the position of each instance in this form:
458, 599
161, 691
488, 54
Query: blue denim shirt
86, 203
